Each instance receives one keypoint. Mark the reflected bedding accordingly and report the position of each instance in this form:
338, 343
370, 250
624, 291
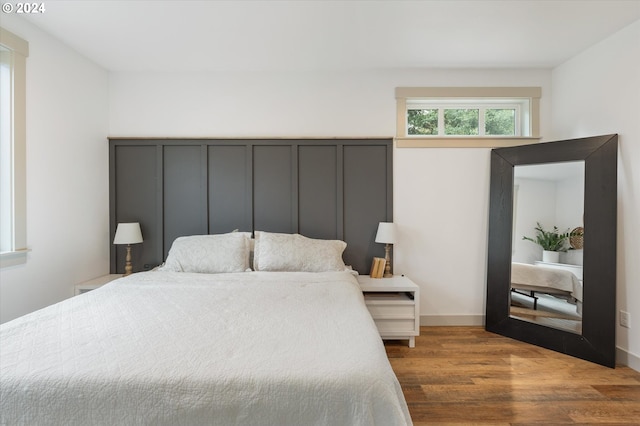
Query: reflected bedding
545, 280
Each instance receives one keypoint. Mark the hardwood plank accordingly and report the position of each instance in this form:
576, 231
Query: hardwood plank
620, 392
490, 412
465, 375
607, 412
498, 393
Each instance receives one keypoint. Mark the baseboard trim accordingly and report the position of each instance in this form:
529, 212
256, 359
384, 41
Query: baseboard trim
451, 320
627, 358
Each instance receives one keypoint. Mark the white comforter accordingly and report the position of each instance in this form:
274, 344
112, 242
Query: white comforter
539, 278
164, 348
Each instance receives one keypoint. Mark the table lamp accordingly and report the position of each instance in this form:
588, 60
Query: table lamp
128, 233
387, 234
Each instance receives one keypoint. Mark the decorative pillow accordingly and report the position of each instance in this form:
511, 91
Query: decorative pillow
296, 253
209, 254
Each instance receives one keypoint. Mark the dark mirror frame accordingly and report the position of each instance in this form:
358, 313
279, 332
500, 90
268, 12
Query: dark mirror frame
597, 341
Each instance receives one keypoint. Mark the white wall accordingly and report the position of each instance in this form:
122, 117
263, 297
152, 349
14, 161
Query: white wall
570, 202
536, 202
598, 92
440, 195
67, 175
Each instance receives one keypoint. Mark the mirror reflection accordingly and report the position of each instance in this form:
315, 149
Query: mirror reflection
547, 246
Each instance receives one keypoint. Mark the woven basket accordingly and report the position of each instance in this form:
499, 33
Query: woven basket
577, 238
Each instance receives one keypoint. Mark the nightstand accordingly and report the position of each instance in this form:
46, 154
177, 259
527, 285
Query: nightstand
394, 304
95, 283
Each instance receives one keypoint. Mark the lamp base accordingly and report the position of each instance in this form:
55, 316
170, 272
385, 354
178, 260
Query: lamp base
128, 267
387, 264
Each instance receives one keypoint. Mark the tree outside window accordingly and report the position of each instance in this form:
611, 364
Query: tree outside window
461, 122
422, 122
500, 122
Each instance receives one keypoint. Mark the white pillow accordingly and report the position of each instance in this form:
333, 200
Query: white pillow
209, 254
296, 253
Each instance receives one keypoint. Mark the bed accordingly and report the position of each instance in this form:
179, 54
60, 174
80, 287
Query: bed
241, 347
539, 279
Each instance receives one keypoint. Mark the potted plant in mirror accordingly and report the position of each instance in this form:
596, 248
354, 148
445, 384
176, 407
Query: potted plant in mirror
552, 242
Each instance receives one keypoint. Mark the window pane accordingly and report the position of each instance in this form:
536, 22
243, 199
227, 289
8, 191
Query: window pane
6, 163
500, 122
422, 122
461, 121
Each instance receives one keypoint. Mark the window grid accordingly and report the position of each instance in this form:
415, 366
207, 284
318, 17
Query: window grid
6, 152
441, 107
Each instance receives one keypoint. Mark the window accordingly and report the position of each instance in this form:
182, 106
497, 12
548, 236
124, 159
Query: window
466, 116
13, 231
472, 117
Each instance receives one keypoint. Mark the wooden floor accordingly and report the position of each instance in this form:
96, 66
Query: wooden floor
465, 375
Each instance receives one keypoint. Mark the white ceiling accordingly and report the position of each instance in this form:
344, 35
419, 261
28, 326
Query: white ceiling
331, 35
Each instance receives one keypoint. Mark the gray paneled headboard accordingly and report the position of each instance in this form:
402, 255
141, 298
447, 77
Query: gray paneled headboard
321, 188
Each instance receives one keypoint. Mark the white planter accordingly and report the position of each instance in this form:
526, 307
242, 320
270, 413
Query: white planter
550, 256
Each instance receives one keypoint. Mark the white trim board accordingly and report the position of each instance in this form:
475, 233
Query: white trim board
628, 359
451, 320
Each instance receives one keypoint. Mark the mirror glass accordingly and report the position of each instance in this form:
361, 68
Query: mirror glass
547, 247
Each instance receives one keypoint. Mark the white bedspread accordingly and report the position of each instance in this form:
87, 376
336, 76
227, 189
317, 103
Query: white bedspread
165, 348
539, 278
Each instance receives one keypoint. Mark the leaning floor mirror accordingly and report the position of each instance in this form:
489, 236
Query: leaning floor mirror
551, 272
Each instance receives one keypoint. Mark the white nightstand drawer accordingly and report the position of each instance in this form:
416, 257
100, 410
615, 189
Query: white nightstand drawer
391, 311
397, 326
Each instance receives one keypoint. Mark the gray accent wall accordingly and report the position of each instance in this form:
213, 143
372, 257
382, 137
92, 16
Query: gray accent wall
320, 188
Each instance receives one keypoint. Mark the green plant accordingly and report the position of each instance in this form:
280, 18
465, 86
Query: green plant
550, 240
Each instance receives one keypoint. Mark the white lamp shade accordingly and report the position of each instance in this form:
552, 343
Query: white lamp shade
386, 233
128, 233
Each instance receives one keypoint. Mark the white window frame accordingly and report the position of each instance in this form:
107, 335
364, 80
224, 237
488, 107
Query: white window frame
19, 51
526, 100
520, 106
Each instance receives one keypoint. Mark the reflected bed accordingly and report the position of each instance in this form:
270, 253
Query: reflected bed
539, 279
